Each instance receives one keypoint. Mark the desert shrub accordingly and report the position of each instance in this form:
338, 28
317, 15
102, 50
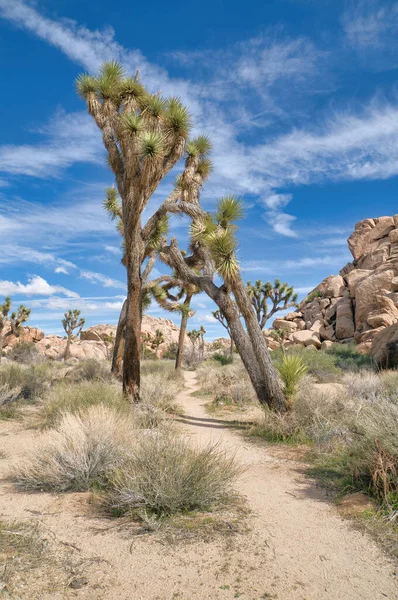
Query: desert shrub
91, 370
320, 364
78, 453
74, 397
33, 381
347, 358
165, 475
313, 295
171, 351
163, 367
223, 359
291, 370
218, 345
25, 353
148, 416
159, 394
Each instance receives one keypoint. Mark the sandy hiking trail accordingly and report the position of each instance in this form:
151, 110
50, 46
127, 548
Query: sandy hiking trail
296, 547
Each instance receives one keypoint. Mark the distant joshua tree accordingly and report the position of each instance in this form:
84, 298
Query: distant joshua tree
15, 320
280, 295
218, 315
157, 340
70, 323
202, 332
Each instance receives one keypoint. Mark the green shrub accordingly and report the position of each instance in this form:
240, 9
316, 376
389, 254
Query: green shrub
33, 381
347, 358
78, 453
223, 359
74, 397
291, 370
313, 295
171, 351
165, 475
320, 364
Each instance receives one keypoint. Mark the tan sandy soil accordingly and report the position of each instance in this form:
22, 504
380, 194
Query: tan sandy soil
297, 546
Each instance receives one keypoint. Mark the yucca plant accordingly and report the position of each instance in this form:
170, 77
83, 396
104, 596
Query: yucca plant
70, 322
14, 321
291, 369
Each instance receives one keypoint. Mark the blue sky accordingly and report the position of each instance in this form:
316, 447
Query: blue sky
299, 97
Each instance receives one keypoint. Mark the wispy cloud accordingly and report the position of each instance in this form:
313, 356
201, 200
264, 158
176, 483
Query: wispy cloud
371, 24
36, 286
105, 281
306, 264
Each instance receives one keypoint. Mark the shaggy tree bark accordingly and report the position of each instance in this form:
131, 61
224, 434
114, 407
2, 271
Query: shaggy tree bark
118, 350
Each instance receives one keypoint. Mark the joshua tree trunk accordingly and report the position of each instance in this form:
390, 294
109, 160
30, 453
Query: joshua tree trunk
118, 350
276, 399
183, 330
231, 346
68, 343
132, 347
1, 346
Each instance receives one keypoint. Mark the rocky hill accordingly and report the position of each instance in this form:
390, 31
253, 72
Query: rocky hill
360, 302
94, 342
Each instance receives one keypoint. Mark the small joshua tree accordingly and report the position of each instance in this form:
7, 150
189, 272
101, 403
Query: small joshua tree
280, 295
15, 320
202, 332
218, 315
70, 323
194, 337
157, 340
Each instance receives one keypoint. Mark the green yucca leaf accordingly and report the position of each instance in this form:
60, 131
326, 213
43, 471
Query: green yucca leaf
131, 122
146, 300
229, 209
132, 87
291, 370
152, 144
222, 245
160, 230
112, 203
202, 229
112, 70
85, 85
205, 167
155, 106
203, 144
199, 146
178, 118
108, 87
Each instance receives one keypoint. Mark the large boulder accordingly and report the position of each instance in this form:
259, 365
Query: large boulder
26, 334
331, 287
306, 338
367, 298
384, 348
345, 327
99, 333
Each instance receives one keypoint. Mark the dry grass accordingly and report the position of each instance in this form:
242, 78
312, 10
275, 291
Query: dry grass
79, 453
72, 398
165, 475
229, 385
160, 393
21, 549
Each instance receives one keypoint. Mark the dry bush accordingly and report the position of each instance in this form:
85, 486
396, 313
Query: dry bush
74, 397
230, 381
78, 453
160, 392
25, 353
91, 370
165, 475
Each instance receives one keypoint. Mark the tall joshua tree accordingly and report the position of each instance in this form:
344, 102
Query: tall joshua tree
280, 295
71, 322
145, 136
15, 320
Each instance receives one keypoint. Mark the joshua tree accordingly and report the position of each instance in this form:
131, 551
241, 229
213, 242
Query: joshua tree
280, 336
70, 323
145, 136
185, 315
157, 340
280, 295
15, 320
214, 250
202, 332
217, 314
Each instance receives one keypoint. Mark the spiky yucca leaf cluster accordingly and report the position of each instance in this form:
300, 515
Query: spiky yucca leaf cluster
111, 203
218, 234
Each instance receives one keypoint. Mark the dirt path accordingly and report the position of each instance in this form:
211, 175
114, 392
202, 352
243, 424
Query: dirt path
297, 548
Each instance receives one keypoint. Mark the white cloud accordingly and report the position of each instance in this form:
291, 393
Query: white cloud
36, 286
305, 264
113, 250
104, 280
61, 270
69, 139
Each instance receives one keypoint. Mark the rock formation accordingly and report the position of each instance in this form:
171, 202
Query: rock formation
360, 302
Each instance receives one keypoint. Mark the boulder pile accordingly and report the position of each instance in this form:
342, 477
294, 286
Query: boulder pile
360, 302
